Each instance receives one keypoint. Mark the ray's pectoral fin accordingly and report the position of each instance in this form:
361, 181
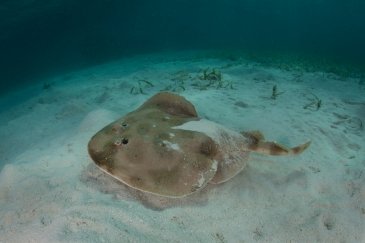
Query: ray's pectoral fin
259, 145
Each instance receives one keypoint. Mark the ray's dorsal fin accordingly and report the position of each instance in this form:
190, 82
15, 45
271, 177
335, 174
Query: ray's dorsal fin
254, 135
257, 144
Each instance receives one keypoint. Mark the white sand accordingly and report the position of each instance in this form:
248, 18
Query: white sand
50, 192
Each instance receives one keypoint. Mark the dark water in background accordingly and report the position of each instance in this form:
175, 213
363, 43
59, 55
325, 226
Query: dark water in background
40, 38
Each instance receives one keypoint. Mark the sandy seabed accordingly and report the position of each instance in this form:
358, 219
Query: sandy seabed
50, 191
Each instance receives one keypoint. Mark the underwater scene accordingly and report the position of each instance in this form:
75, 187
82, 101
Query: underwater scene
182, 121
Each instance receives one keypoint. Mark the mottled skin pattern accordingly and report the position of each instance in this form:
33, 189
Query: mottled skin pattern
146, 150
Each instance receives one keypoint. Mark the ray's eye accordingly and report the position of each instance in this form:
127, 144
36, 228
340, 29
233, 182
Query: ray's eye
124, 125
124, 140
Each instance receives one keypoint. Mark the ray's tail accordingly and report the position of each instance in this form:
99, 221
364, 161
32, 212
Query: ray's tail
259, 145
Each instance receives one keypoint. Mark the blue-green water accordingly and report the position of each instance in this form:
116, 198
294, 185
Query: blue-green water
42, 38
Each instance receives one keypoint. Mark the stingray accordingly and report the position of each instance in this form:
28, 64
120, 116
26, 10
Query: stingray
164, 148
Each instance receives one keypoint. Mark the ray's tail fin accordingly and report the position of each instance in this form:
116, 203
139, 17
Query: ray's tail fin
259, 145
